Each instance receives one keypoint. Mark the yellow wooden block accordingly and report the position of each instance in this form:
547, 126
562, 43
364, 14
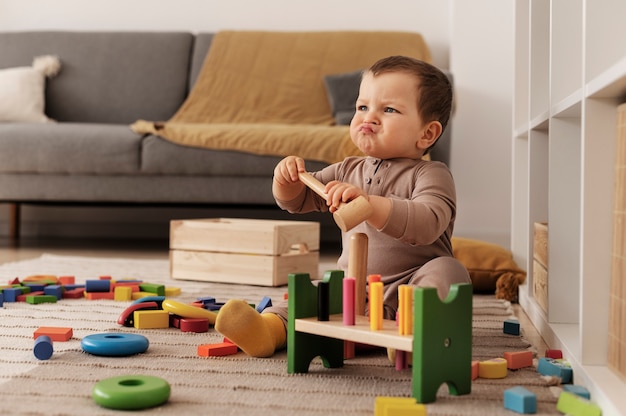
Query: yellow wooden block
172, 291
151, 319
398, 406
123, 293
494, 368
139, 295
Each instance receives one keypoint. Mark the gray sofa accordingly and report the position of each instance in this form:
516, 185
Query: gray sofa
90, 155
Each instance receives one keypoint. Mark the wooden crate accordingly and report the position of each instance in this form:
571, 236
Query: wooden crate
540, 243
540, 285
244, 251
540, 264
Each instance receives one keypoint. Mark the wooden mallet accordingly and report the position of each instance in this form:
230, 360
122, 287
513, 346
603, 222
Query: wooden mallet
349, 214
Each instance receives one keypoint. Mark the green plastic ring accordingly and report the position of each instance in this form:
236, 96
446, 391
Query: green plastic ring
131, 392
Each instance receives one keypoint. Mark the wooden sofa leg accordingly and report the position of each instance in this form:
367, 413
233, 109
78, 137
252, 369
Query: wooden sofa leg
14, 221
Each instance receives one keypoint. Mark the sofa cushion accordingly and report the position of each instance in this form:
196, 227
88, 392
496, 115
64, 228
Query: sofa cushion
68, 148
107, 77
22, 90
160, 156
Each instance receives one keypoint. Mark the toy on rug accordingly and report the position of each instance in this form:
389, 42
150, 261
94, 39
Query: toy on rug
507, 287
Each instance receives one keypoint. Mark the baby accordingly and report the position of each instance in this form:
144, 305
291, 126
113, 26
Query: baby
402, 109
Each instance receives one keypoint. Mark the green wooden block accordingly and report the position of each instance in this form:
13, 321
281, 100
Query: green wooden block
442, 342
157, 289
35, 299
302, 303
574, 405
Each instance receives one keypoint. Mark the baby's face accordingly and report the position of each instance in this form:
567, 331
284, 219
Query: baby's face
386, 123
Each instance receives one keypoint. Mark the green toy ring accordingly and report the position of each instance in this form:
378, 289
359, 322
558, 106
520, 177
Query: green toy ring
131, 392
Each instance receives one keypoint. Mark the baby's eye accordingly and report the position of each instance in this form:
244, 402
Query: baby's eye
361, 107
390, 110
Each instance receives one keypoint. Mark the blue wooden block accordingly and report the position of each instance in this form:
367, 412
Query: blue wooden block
206, 300
35, 287
266, 302
54, 290
559, 368
1, 299
11, 294
520, 400
74, 286
97, 285
511, 327
577, 390
43, 348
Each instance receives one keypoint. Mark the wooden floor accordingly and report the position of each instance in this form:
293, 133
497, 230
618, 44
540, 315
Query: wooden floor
159, 249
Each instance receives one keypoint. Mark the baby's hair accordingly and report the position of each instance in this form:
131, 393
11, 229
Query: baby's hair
434, 91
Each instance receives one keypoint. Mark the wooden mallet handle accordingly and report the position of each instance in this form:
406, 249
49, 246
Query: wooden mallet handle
349, 214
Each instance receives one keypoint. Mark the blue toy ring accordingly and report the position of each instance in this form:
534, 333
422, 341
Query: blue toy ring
114, 344
131, 392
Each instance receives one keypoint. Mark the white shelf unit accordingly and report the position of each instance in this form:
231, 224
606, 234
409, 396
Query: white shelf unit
570, 76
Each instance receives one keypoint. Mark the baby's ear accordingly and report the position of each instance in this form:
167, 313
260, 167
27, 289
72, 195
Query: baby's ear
432, 131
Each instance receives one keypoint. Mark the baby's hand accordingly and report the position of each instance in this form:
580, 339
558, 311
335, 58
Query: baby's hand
286, 171
341, 192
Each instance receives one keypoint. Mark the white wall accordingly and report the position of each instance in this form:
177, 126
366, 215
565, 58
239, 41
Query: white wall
480, 147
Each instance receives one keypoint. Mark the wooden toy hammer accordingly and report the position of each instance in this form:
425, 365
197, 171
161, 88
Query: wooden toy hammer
349, 214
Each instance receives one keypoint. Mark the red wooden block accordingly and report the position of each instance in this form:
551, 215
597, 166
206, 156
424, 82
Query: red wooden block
67, 280
99, 295
56, 333
194, 325
555, 354
518, 359
22, 297
217, 350
74, 293
105, 278
475, 369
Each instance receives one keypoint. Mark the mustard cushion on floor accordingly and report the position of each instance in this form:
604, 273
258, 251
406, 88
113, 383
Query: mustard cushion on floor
490, 266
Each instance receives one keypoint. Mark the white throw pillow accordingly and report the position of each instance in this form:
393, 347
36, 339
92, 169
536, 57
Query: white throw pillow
22, 90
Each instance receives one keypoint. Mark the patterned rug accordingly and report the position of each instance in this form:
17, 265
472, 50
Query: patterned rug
231, 385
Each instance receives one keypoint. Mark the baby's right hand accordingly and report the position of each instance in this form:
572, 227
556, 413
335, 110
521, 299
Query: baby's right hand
286, 171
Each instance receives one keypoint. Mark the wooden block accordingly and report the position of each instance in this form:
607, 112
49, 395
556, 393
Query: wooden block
36, 299
67, 280
75, 293
123, 293
475, 365
559, 368
577, 390
197, 325
511, 327
494, 368
571, 404
153, 288
139, 295
151, 319
398, 406
540, 285
518, 359
520, 400
99, 295
540, 243
256, 252
56, 333
217, 350
172, 291
556, 354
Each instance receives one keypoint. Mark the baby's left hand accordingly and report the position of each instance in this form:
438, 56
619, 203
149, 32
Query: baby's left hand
341, 192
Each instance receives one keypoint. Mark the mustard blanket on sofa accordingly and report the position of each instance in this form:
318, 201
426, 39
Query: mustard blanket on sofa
263, 92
